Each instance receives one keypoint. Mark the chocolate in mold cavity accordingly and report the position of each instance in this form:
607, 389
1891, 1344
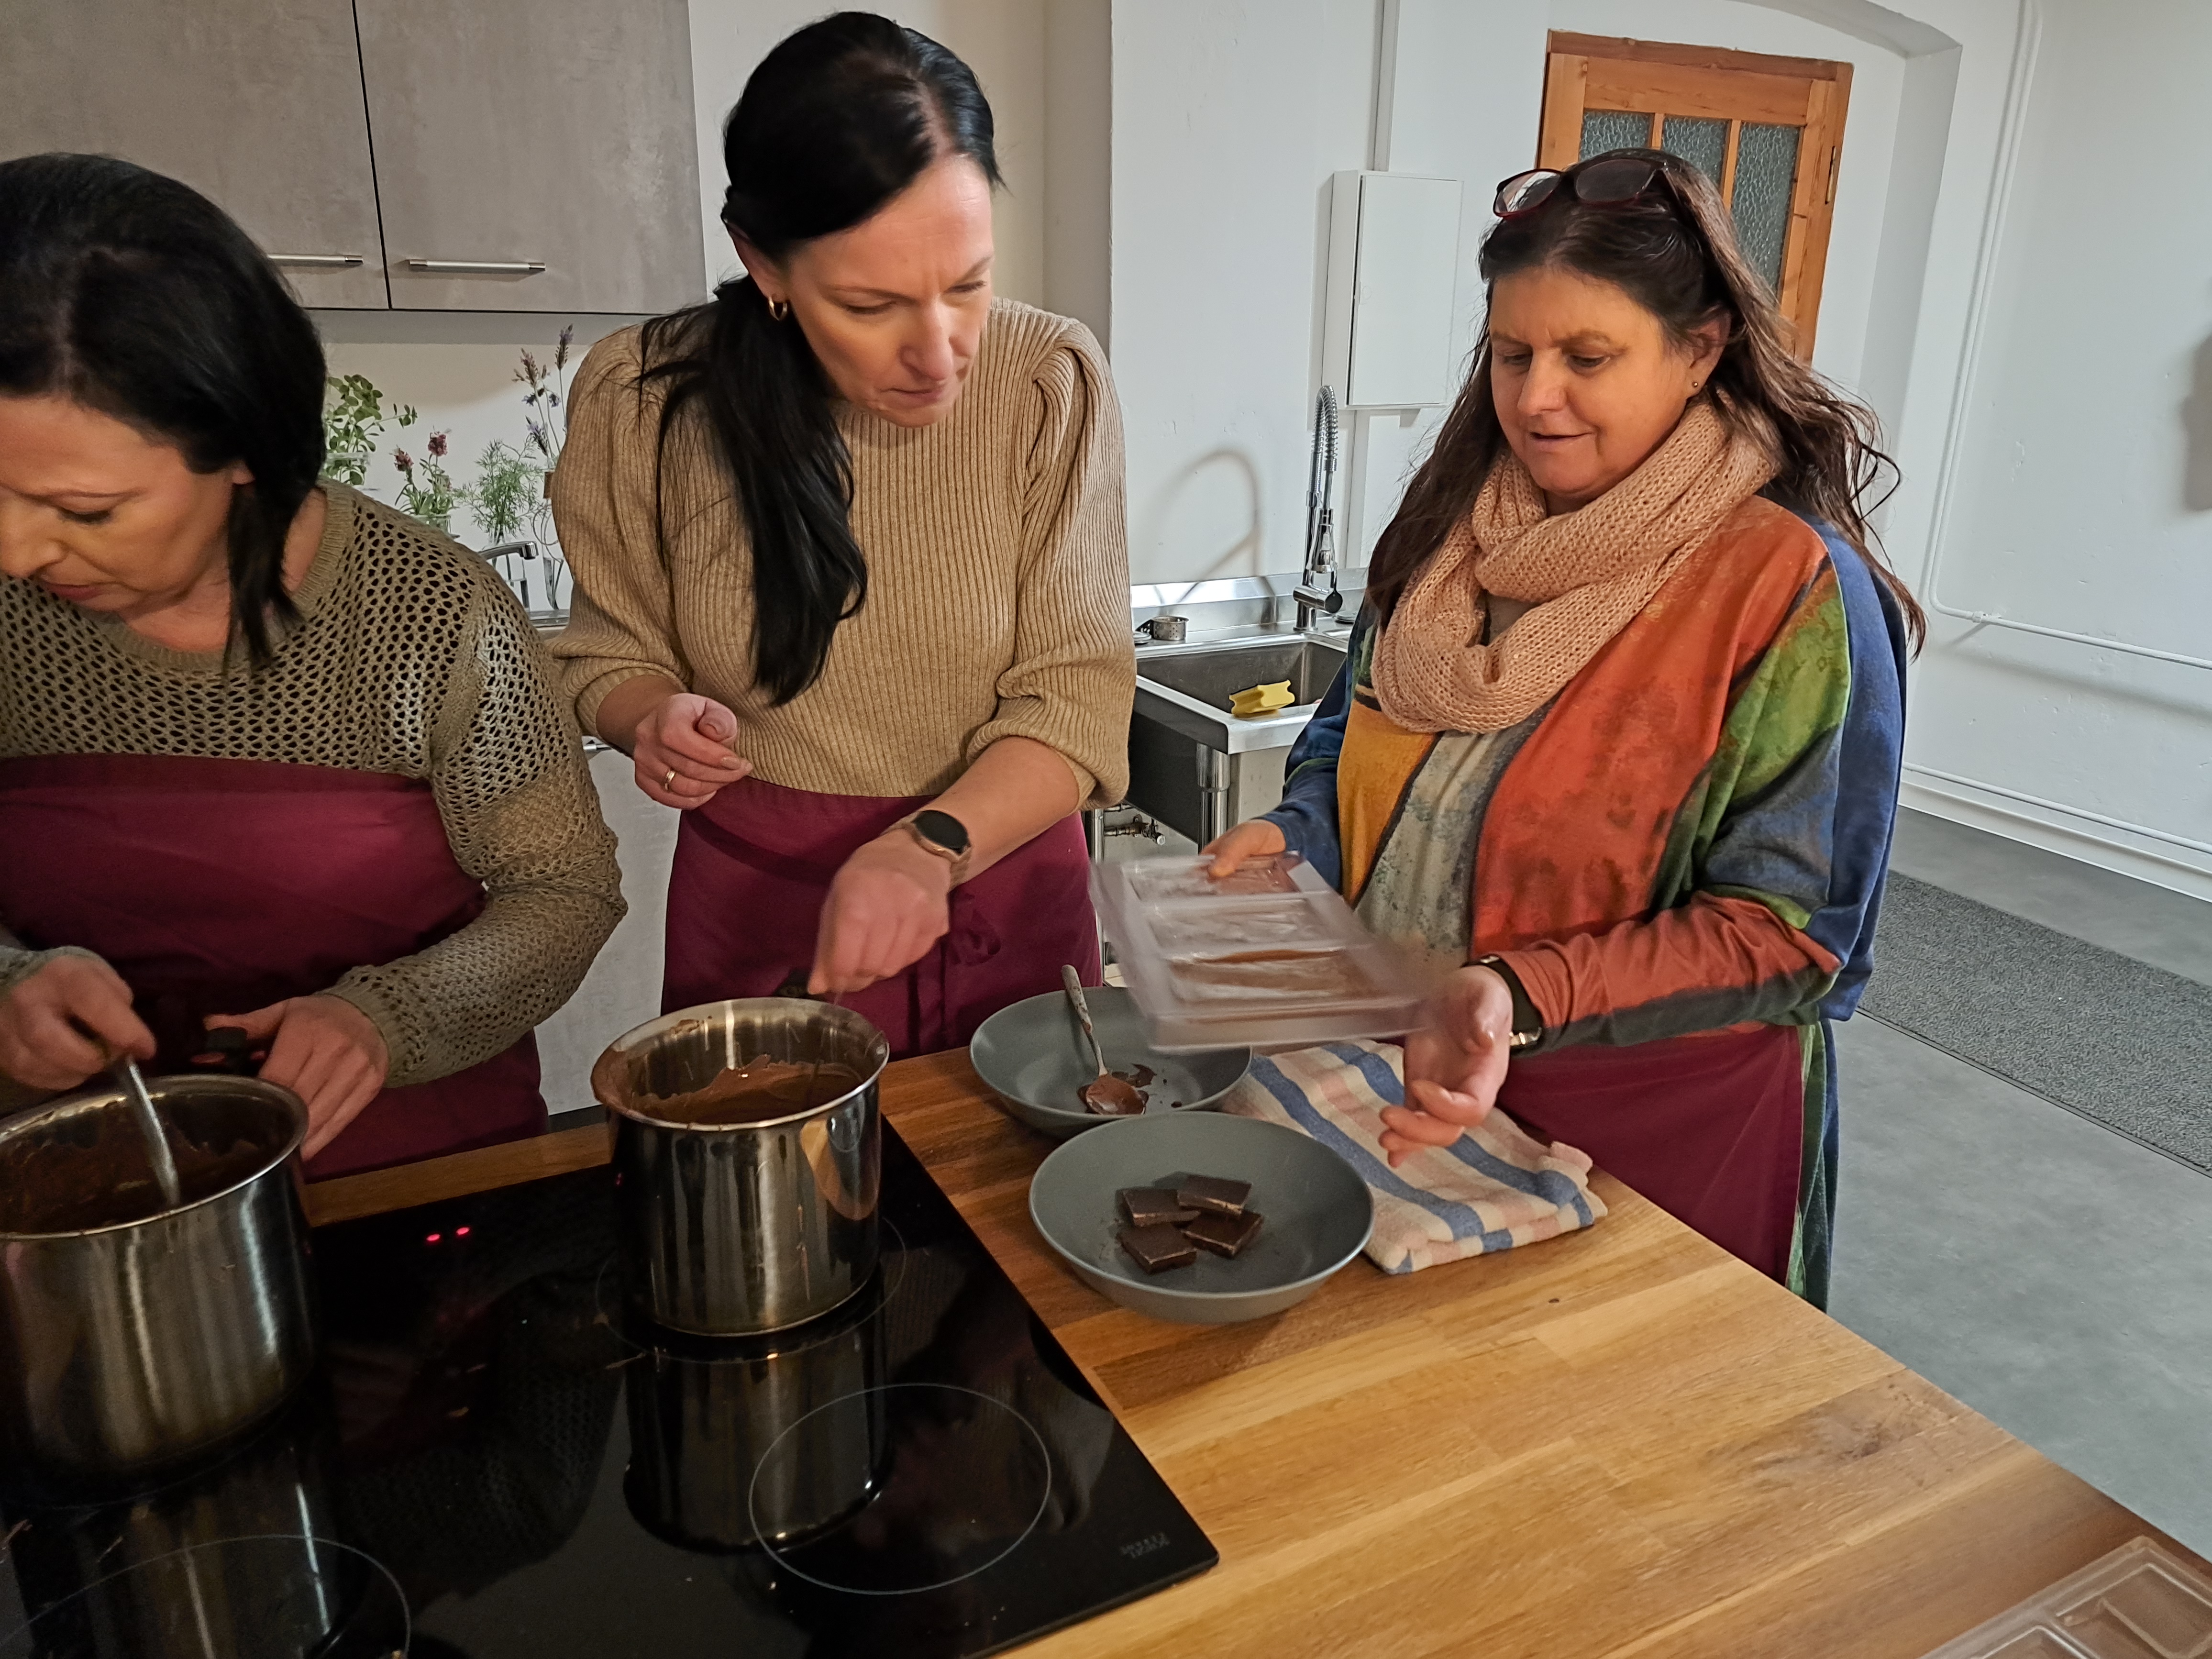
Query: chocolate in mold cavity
754, 1092
1187, 881
1156, 1248
60, 1184
1246, 974
1224, 1235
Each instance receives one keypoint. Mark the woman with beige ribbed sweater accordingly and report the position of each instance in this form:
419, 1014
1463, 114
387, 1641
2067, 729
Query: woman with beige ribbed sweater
851, 570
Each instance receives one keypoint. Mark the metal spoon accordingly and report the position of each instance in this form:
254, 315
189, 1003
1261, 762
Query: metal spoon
126, 1072
1105, 1094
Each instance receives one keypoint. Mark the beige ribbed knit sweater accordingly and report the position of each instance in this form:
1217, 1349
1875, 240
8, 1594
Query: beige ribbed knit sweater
998, 599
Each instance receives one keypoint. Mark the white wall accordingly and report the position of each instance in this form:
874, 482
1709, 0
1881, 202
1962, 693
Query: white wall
2081, 493
1228, 118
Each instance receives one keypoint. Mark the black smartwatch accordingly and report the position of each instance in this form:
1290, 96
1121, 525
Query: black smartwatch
1527, 1023
943, 834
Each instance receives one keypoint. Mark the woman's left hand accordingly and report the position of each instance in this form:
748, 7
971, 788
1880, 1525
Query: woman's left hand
889, 904
324, 1050
1454, 1065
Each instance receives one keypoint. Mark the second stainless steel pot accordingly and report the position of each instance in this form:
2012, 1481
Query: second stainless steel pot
129, 1348
734, 1228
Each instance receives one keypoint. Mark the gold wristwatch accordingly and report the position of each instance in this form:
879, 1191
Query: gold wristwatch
943, 834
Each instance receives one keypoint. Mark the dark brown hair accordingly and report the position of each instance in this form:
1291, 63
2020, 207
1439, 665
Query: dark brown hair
836, 120
1673, 250
135, 295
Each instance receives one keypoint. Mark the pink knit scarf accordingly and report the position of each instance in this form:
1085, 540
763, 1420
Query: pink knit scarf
1589, 573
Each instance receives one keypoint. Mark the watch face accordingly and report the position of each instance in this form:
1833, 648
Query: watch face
944, 829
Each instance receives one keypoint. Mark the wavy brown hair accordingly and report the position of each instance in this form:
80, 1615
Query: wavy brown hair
1673, 250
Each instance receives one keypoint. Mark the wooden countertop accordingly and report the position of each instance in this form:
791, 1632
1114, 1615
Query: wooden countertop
1623, 1442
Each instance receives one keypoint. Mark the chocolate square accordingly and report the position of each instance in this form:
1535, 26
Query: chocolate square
1214, 1193
1157, 1249
1151, 1206
1224, 1234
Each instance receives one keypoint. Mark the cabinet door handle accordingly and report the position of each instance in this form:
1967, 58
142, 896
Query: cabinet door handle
318, 261
478, 267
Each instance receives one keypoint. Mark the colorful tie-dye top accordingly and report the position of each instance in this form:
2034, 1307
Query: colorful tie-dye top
1691, 836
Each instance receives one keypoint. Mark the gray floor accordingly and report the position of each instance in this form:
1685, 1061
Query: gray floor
2054, 1275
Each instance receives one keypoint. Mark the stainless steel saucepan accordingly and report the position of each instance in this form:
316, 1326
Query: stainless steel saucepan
135, 1337
734, 1228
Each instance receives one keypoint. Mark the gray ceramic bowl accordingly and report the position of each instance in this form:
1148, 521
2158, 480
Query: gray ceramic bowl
1318, 1213
1034, 1058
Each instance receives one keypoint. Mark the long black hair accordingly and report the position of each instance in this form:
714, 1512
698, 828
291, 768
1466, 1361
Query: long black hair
1673, 250
133, 295
836, 120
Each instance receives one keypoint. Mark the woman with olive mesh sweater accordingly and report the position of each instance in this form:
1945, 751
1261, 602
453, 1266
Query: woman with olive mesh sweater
272, 755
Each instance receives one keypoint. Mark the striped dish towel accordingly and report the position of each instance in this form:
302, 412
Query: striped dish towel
1492, 1189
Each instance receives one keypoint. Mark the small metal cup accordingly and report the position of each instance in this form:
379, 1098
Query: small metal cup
1167, 630
729, 1230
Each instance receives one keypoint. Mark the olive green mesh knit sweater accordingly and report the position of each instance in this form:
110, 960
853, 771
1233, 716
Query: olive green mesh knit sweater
409, 657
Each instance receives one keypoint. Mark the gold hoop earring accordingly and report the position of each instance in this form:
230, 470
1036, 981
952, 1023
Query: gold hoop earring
779, 309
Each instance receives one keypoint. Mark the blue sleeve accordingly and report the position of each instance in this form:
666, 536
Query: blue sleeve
1869, 766
1307, 816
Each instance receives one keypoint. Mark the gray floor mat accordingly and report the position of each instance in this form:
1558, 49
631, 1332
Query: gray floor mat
2124, 1044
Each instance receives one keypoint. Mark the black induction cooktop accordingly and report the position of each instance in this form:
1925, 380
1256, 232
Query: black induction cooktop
495, 1460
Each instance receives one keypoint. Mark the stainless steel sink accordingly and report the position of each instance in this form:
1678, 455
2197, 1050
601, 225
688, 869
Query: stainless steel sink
1193, 764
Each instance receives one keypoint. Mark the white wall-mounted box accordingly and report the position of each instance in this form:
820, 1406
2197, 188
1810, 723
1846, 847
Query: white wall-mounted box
1393, 281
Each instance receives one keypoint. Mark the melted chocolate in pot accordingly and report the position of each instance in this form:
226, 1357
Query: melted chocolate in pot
63, 1180
755, 1092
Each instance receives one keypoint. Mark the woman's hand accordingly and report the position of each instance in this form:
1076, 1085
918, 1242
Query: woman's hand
52, 1024
324, 1050
681, 749
1454, 1065
1254, 838
886, 908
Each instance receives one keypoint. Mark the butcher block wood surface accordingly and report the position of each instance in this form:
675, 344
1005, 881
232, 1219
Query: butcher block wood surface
1623, 1442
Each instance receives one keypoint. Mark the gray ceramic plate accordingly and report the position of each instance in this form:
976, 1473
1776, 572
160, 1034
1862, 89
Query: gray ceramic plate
1034, 1058
1318, 1213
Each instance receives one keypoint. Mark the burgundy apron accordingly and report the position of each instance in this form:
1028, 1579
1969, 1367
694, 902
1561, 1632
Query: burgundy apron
1708, 1128
754, 864
221, 886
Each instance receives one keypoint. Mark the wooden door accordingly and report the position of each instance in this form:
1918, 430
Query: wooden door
535, 155
1769, 131
255, 103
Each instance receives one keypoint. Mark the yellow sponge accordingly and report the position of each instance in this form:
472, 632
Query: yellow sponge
1262, 700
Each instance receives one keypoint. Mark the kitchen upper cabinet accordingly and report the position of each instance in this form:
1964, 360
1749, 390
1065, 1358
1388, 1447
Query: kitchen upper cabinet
255, 103
534, 154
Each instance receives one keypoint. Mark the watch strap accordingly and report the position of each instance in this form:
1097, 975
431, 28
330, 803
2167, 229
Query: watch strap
1527, 1023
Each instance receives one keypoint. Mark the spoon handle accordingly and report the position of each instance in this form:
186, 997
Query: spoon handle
1073, 983
126, 1072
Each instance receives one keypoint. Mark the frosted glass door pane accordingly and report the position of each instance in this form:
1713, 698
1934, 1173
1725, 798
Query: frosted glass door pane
1765, 173
1614, 129
1701, 141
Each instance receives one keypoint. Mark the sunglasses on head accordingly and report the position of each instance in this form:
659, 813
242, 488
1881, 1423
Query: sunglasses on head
1606, 181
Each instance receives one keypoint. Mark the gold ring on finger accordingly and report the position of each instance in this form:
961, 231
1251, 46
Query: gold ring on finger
668, 783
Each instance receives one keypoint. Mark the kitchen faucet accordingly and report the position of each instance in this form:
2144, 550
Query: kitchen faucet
1320, 522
